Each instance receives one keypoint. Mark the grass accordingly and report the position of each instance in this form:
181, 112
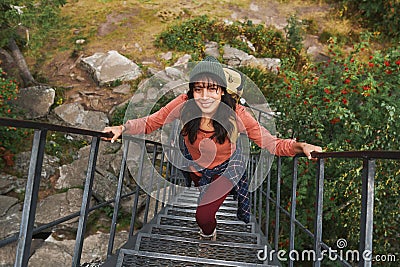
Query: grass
131, 26
125, 24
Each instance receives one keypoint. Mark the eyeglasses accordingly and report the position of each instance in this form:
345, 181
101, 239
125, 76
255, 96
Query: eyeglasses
212, 90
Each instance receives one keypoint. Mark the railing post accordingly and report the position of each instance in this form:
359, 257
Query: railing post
318, 212
148, 197
367, 212
118, 198
260, 195
31, 197
165, 186
278, 204
158, 184
136, 201
293, 210
87, 194
267, 205
253, 196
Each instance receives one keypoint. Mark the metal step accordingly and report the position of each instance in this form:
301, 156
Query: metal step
183, 201
193, 205
194, 196
237, 254
223, 236
186, 222
130, 258
191, 213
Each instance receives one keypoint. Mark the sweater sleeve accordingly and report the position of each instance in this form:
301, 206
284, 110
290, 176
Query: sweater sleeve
150, 123
261, 136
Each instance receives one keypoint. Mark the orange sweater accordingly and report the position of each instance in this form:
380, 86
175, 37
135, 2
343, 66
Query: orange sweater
206, 152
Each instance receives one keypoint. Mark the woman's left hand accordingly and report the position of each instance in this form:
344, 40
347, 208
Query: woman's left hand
306, 149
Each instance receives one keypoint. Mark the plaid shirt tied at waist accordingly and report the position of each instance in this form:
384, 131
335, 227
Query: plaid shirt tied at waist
234, 170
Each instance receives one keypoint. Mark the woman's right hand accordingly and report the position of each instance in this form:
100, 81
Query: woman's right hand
115, 130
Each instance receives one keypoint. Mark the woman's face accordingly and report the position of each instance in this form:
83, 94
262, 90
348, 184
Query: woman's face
207, 96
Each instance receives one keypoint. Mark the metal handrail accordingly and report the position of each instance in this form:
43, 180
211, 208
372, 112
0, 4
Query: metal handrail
27, 229
367, 204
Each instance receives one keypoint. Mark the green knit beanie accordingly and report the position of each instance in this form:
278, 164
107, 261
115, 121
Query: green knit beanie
208, 65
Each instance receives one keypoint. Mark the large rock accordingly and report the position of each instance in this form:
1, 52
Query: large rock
238, 58
59, 253
22, 161
10, 216
10, 183
235, 57
106, 175
8, 252
59, 205
111, 66
212, 49
35, 101
75, 115
53, 254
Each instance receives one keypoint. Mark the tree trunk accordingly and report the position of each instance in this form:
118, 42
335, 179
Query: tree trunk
21, 63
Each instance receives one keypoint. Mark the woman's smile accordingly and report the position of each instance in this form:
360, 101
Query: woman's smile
207, 96
205, 103
208, 106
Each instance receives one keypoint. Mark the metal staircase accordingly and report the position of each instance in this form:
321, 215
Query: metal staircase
172, 239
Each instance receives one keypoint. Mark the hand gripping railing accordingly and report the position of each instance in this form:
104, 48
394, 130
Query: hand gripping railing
27, 229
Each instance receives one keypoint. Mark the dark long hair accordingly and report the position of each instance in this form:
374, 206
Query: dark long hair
225, 114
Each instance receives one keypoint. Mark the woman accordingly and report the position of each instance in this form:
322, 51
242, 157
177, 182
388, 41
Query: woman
212, 120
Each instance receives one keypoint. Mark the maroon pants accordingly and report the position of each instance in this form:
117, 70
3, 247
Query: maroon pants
212, 200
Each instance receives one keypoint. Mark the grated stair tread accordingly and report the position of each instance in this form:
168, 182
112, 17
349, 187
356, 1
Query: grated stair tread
223, 236
130, 258
184, 212
195, 248
186, 222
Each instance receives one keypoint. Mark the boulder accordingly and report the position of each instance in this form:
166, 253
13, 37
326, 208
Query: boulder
238, 58
59, 205
59, 253
10, 216
22, 161
212, 49
109, 67
35, 101
75, 115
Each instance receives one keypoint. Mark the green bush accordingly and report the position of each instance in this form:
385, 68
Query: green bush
9, 90
350, 102
10, 136
191, 36
377, 15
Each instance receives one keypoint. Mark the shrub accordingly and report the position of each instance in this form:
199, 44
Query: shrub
10, 136
191, 36
9, 90
348, 103
377, 15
